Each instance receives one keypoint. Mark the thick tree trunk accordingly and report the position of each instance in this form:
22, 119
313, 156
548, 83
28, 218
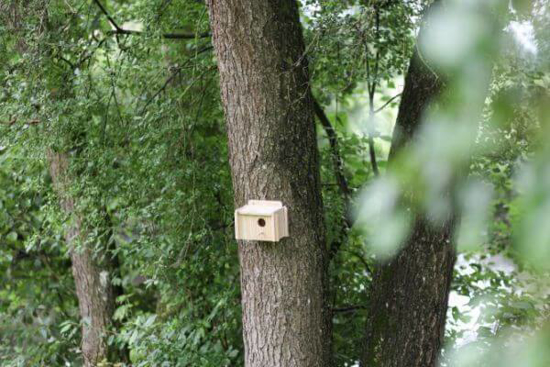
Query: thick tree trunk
92, 275
406, 321
273, 155
409, 296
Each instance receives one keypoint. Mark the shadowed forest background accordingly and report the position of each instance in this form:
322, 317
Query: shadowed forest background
409, 140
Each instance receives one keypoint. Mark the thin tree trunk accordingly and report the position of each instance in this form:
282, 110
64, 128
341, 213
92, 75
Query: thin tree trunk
92, 275
408, 305
273, 155
371, 86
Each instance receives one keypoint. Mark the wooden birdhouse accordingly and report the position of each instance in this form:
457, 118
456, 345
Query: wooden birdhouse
261, 220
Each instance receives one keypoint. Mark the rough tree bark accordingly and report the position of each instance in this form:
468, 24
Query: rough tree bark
273, 155
92, 274
409, 294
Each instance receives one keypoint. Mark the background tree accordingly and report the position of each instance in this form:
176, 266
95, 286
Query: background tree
93, 269
409, 294
410, 291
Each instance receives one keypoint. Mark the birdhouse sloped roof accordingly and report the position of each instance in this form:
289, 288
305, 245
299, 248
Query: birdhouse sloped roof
260, 208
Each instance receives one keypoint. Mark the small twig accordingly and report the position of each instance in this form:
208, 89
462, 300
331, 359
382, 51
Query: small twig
372, 154
30, 122
66, 61
340, 177
10, 122
106, 13
187, 36
119, 30
174, 74
91, 53
361, 259
372, 91
388, 102
113, 86
105, 117
333, 141
348, 309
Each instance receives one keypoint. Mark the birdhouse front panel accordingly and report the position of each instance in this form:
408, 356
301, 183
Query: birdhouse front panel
261, 220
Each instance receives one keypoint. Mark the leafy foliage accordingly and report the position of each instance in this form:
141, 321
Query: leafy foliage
138, 114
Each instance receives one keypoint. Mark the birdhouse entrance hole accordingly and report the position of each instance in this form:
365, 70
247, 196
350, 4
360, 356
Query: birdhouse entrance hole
261, 222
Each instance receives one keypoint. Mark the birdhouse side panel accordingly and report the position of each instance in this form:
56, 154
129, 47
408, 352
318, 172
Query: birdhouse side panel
237, 226
275, 226
282, 223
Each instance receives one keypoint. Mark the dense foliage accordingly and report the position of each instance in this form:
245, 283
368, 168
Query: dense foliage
129, 91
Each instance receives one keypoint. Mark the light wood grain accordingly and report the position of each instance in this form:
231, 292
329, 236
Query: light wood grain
261, 220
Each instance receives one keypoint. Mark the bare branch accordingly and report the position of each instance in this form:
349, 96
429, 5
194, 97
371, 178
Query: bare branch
120, 30
106, 13
340, 177
372, 91
388, 102
335, 153
361, 259
174, 74
186, 36
348, 309
66, 61
372, 154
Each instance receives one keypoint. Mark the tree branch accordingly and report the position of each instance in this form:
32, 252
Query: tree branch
174, 74
186, 36
66, 61
106, 13
335, 153
120, 30
348, 309
362, 260
372, 91
340, 177
388, 102
372, 155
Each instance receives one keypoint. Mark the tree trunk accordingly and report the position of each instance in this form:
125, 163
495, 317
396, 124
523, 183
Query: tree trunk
408, 305
273, 155
91, 274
